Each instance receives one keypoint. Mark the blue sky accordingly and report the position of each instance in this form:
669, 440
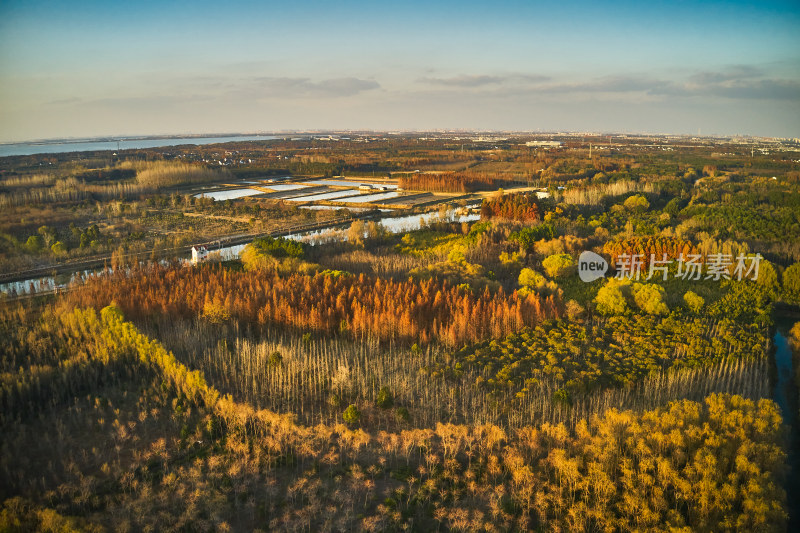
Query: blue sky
101, 68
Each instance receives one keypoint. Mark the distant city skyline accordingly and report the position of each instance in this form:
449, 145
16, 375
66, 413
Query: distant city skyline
90, 69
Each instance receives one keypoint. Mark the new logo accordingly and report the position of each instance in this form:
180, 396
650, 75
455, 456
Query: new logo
591, 266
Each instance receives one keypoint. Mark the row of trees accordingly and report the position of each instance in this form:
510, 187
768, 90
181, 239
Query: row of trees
611, 352
160, 174
520, 207
656, 245
413, 311
150, 176
315, 377
597, 194
452, 182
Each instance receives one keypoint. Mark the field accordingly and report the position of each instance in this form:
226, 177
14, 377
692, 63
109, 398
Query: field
456, 377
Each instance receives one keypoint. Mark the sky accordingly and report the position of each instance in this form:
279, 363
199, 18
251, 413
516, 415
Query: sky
100, 68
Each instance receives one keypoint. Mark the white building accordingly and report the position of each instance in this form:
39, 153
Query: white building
544, 144
199, 254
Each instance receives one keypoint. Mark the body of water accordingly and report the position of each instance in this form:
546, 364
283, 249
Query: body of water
391, 224
229, 194
32, 148
333, 208
785, 395
370, 197
783, 364
321, 196
284, 187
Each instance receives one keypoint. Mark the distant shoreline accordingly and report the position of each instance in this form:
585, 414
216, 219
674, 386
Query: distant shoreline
73, 140
106, 144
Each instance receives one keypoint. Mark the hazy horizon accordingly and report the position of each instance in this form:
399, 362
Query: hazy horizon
97, 69
344, 132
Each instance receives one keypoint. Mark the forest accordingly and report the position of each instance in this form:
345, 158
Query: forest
453, 376
465, 181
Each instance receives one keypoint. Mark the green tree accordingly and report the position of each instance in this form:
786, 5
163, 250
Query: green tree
610, 300
58, 248
673, 207
48, 234
693, 301
402, 415
531, 279
558, 264
649, 297
34, 243
351, 415
385, 399
637, 204
791, 283
768, 277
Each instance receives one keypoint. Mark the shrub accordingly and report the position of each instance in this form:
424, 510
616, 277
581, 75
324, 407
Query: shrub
385, 399
352, 415
34, 243
58, 248
402, 415
275, 359
264, 252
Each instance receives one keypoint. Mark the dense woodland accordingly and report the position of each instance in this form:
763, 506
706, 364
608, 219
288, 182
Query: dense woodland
520, 207
192, 458
453, 182
455, 377
358, 305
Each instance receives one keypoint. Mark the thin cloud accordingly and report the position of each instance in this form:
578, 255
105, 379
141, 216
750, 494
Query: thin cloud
306, 88
734, 73
468, 81
146, 102
767, 89
611, 84
464, 81
65, 101
736, 83
744, 89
